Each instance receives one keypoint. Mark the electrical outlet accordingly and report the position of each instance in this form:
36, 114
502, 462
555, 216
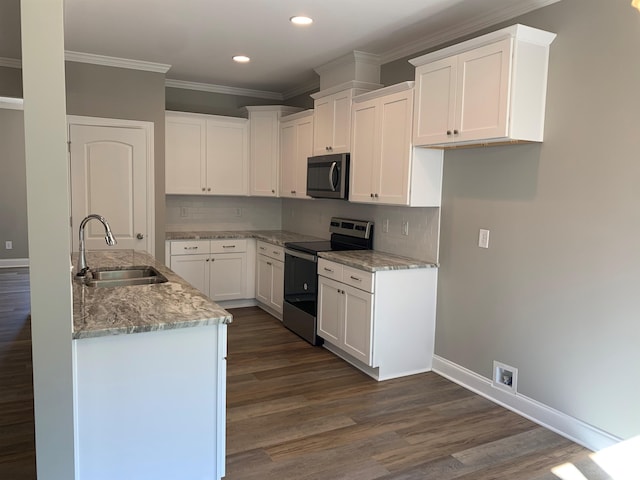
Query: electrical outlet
8, 245
385, 226
184, 212
483, 238
405, 227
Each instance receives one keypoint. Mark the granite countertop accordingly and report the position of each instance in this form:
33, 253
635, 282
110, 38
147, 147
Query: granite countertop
276, 237
374, 261
142, 308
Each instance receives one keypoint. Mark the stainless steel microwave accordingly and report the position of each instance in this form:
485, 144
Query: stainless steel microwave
328, 176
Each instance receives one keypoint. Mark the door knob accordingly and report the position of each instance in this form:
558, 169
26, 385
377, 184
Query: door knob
140, 236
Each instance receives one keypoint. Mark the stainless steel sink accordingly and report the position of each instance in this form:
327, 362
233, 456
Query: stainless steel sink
124, 276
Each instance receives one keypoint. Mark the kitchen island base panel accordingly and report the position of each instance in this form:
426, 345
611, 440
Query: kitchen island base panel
151, 405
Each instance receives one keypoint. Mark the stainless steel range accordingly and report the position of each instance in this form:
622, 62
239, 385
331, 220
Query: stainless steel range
301, 276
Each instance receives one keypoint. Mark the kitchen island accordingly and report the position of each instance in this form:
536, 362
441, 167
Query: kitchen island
149, 377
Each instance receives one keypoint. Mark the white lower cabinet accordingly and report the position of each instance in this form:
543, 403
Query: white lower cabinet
270, 277
382, 323
218, 268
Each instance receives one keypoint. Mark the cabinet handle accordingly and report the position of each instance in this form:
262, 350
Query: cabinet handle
276, 253
191, 248
356, 278
228, 246
328, 270
269, 263
262, 248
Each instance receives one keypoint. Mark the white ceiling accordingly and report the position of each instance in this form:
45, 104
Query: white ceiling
199, 37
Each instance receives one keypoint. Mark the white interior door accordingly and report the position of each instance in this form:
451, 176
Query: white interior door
110, 173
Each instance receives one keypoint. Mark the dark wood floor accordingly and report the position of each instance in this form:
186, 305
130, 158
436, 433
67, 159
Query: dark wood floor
296, 412
17, 447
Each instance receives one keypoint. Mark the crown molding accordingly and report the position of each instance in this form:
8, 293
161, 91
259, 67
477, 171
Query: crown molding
115, 62
444, 35
10, 62
12, 103
209, 87
352, 57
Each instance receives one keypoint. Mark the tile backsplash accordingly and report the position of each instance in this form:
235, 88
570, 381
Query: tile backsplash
310, 217
189, 212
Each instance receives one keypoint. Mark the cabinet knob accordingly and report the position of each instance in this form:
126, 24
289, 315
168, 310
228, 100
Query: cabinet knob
140, 236
448, 133
455, 132
207, 260
269, 263
273, 191
375, 195
203, 189
371, 195
209, 189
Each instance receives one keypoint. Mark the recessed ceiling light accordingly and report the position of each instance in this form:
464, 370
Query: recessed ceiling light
241, 59
299, 20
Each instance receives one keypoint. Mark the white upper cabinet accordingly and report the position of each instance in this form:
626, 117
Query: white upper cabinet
332, 123
385, 168
490, 89
296, 145
206, 154
264, 147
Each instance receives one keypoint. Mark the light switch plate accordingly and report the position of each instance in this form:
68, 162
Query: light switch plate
483, 238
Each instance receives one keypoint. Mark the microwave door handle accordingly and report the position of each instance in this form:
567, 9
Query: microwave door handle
331, 170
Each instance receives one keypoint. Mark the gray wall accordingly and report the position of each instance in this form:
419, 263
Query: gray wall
557, 292
10, 82
13, 185
99, 91
196, 101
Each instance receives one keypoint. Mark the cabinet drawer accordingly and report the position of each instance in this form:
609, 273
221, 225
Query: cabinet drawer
189, 247
358, 278
330, 269
272, 251
231, 245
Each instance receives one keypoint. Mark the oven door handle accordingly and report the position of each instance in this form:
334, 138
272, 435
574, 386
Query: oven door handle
305, 256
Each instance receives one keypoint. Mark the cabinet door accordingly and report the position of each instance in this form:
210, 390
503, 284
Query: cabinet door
358, 319
264, 268
227, 159
434, 112
264, 133
185, 162
330, 310
365, 151
394, 139
323, 125
341, 131
304, 150
277, 286
194, 269
288, 159
483, 92
227, 276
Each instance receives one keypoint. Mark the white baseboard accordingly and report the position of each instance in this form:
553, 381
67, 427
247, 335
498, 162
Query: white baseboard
14, 262
246, 302
561, 423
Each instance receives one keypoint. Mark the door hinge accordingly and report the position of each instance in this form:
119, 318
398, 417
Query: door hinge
69, 146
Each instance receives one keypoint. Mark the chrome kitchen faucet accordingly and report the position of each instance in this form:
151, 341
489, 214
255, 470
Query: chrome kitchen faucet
109, 238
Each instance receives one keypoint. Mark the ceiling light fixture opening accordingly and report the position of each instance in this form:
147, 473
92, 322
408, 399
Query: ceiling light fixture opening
301, 20
241, 59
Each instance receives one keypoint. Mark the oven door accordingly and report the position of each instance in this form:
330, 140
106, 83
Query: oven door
301, 280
